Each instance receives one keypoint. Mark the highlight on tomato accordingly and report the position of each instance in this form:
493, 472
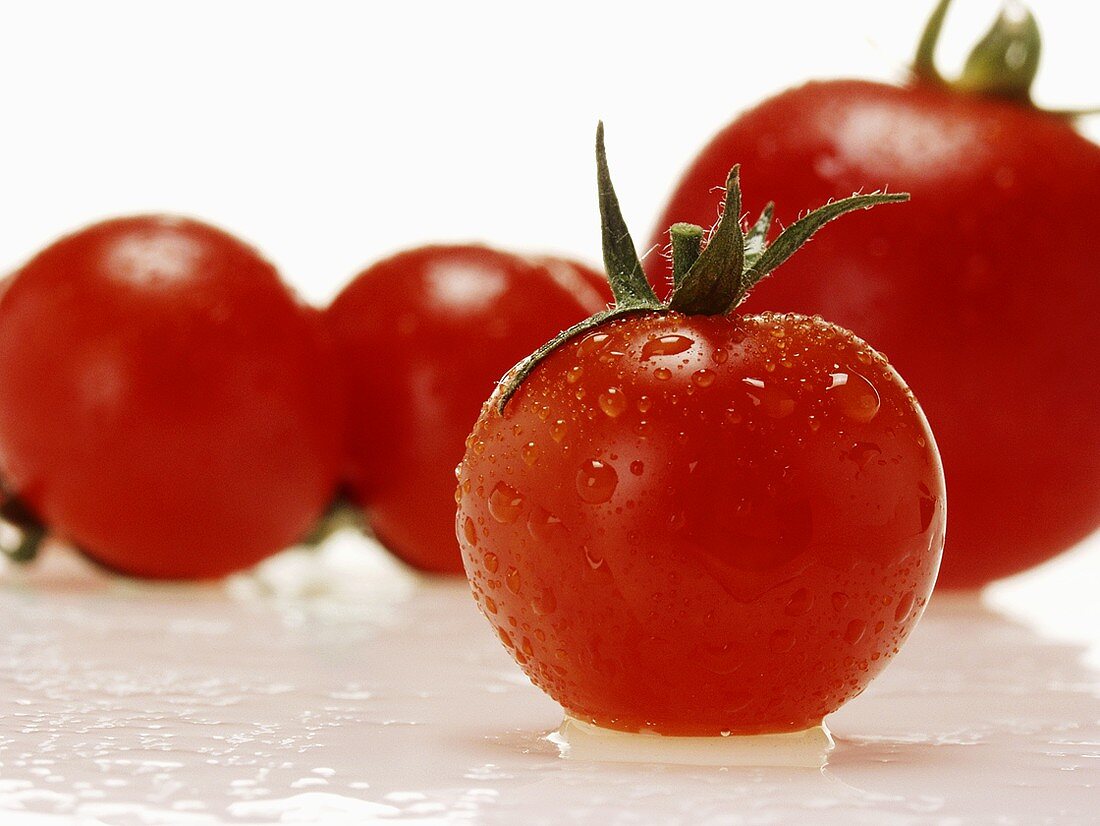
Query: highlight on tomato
983, 292
423, 337
684, 519
166, 404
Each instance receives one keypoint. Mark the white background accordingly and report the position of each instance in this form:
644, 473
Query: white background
331, 133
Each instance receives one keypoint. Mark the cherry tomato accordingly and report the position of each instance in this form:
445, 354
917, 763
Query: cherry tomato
983, 292
424, 336
702, 523
165, 402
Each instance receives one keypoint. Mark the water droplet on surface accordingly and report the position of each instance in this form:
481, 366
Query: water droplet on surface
505, 503
703, 378
613, 402
643, 404
905, 607
855, 631
596, 481
513, 581
591, 343
781, 641
469, 530
545, 603
854, 396
670, 345
863, 453
773, 401
574, 374
543, 525
530, 453
595, 562
558, 429
840, 601
719, 356
637, 467
490, 605
800, 603
662, 374
491, 563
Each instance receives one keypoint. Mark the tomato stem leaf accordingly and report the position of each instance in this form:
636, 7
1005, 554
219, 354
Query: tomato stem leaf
757, 238
798, 233
624, 270
714, 280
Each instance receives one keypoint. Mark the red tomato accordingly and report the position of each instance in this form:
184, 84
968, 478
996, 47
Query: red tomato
424, 336
983, 292
165, 402
704, 524
685, 520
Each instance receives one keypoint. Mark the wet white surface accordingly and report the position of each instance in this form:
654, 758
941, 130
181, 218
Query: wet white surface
340, 690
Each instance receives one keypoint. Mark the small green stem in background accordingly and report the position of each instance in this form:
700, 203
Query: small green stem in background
924, 64
687, 241
32, 533
341, 514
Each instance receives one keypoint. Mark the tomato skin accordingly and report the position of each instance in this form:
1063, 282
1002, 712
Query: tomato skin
676, 526
982, 291
165, 402
424, 336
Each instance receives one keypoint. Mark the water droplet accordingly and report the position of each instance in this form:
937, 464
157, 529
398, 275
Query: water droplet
733, 417
643, 404
855, 631
490, 605
595, 562
854, 395
545, 603
840, 601
863, 453
573, 375
703, 378
491, 563
613, 402
469, 529
781, 641
557, 430
905, 607
662, 374
666, 346
719, 356
505, 503
543, 525
800, 603
530, 453
505, 638
637, 468
773, 401
591, 343
458, 494
596, 481
512, 580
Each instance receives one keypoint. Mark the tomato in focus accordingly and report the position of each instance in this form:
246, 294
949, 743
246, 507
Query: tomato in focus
166, 404
423, 337
983, 292
697, 525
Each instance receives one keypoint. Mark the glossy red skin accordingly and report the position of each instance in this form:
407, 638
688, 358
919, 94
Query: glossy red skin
165, 402
982, 291
744, 559
424, 336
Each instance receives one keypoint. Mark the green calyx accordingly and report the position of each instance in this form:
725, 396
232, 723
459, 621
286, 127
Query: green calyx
709, 278
1004, 62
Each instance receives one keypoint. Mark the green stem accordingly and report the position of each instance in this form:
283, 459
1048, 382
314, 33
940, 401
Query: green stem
924, 64
687, 241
